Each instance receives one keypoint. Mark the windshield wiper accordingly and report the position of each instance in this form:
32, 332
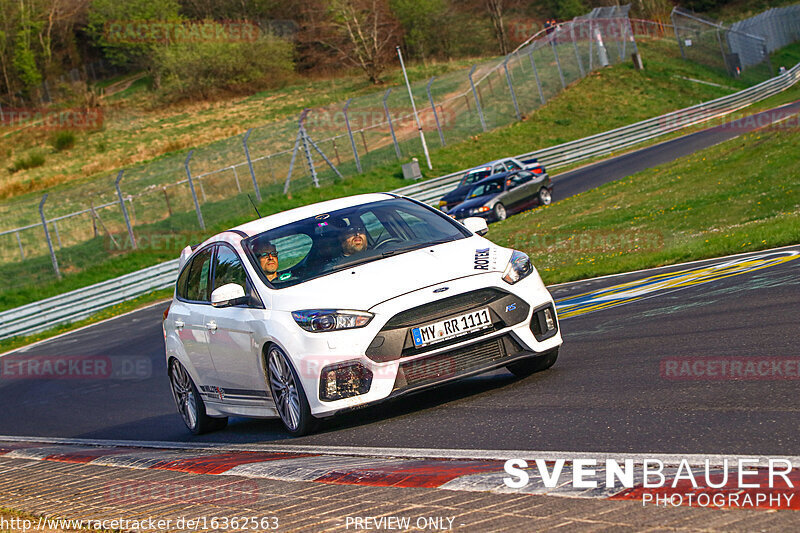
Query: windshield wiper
417, 246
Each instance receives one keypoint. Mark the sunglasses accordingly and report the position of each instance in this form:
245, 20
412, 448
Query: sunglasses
273, 253
354, 231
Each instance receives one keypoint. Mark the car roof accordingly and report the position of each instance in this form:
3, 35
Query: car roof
487, 164
299, 213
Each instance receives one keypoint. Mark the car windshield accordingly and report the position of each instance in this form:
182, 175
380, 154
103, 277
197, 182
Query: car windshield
476, 175
337, 240
490, 187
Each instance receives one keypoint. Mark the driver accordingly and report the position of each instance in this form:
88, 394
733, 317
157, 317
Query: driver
352, 241
268, 258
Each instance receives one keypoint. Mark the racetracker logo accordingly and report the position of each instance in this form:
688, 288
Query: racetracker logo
366, 118
52, 119
75, 367
214, 492
738, 368
774, 119
165, 31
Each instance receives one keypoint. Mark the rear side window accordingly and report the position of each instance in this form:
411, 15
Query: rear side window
513, 166
198, 283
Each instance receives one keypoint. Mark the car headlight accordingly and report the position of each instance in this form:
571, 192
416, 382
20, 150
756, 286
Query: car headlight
519, 267
317, 320
481, 209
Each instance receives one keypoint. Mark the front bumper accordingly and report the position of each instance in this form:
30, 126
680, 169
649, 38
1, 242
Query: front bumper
396, 367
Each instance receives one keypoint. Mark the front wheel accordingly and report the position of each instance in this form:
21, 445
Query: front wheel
545, 197
190, 404
500, 212
287, 391
526, 367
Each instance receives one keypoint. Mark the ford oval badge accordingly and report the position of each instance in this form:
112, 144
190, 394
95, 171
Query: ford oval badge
441, 289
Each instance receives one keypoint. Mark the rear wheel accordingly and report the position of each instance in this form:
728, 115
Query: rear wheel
190, 404
545, 197
500, 212
287, 391
526, 367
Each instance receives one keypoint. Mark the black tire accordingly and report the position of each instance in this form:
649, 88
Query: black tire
189, 402
545, 196
500, 212
526, 367
288, 394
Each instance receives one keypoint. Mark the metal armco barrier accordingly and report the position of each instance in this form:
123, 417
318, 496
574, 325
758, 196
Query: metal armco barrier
81, 303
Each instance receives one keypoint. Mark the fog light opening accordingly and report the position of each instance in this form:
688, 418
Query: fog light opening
548, 318
344, 381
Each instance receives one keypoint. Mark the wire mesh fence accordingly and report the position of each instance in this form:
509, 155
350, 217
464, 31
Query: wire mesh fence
182, 193
745, 46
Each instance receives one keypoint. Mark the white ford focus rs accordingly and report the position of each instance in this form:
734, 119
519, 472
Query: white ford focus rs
332, 306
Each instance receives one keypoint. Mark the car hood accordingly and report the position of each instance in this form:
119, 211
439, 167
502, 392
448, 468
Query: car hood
473, 202
365, 286
456, 194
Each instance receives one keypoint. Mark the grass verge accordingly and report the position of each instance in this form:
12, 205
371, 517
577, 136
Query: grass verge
739, 196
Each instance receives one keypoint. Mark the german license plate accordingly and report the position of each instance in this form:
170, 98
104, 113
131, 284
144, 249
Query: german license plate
451, 328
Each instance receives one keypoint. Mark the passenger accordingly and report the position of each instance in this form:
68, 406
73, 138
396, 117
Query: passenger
268, 257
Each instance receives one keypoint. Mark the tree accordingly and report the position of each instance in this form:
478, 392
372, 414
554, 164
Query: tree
111, 20
423, 22
363, 33
495, 9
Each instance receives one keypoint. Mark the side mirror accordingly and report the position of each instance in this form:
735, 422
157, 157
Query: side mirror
475, 225
229, 295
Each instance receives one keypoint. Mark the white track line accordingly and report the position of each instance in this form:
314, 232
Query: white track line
416, 453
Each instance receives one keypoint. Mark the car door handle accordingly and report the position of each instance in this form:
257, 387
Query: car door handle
212, 326
179, 324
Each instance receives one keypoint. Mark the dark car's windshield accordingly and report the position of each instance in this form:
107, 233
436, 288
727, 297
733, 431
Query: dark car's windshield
475, 175
490, 187
341, 239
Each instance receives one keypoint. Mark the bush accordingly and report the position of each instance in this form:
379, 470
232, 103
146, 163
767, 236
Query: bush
202, 69
32, 160
63, 140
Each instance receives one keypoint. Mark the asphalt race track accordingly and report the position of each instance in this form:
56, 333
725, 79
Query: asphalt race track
609, 391
606, 393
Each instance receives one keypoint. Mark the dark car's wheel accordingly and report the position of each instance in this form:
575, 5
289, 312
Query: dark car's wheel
526, 367
287, 391
500, 212
190, 404
545, 196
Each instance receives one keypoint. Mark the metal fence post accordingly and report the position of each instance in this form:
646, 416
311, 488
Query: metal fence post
475, 94
236, 177
511, 89
435, 114
21, 250
124, 209
677, 34
194, 194
47, 236
250, 164
575, 45
307, 149
350, 133
391, 127
58, 235
558, 63
536, 75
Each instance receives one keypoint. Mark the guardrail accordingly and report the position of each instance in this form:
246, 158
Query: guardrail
78, 304
610, 141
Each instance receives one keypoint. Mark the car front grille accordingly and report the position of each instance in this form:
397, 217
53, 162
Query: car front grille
395, 341
451, 364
